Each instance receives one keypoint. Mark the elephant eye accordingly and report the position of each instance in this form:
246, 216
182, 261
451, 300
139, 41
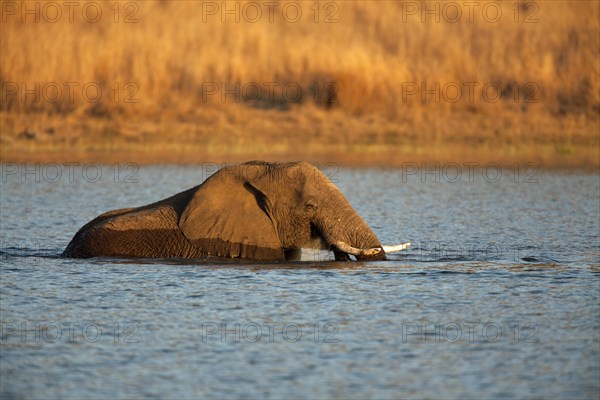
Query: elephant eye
310, 206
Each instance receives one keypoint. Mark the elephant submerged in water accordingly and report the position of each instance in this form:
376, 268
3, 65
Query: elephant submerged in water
256, 210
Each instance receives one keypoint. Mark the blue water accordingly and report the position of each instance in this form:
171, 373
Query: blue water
498, 296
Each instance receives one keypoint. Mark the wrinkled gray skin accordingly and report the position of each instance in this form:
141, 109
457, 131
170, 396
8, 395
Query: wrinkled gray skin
257, 210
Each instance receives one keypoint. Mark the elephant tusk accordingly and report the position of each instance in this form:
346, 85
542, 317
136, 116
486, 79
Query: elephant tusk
396, 248
355, 251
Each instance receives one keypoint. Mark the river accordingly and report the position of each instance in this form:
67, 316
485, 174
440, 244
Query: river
497, 297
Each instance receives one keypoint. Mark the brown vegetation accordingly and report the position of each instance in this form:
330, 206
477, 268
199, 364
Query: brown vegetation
367, 82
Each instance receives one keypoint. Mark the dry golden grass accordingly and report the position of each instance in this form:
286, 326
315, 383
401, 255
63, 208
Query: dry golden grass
363, 67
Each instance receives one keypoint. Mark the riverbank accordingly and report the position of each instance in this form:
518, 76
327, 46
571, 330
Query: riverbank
177, 83
308, 133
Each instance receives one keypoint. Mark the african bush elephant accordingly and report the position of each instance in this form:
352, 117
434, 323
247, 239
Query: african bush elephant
256, 210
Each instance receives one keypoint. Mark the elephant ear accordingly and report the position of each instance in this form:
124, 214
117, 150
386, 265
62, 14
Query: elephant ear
228, 217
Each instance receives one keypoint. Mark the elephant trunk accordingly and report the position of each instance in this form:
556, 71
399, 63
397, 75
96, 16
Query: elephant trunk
342, 227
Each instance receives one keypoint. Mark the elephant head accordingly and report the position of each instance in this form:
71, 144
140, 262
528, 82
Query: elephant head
255, 210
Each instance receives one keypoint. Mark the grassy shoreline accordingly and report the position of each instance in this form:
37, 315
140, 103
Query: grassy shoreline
369, 85
550, 143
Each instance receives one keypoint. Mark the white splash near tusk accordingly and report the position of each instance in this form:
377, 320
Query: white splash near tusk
396, 248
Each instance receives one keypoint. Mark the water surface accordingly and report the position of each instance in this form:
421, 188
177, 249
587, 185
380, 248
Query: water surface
498, 297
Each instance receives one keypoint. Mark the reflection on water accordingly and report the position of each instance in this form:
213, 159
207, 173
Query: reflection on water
498, 297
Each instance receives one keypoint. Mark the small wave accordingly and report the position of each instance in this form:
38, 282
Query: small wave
171, 284
540, 259
15, 252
